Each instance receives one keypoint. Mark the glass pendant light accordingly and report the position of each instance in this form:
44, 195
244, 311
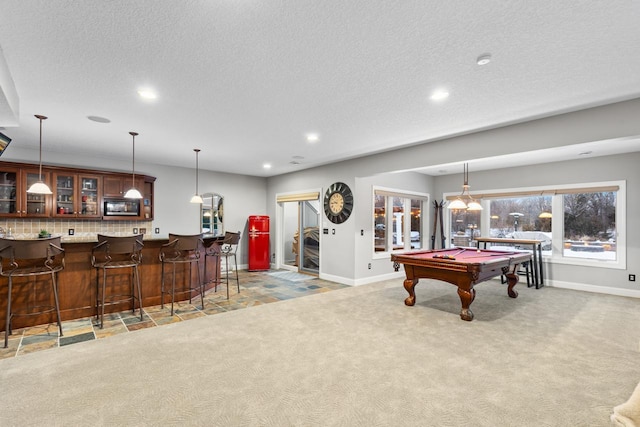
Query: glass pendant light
471, 204
39, 187
196, 197
133, 192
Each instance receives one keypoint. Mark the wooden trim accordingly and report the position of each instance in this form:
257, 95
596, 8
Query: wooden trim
545, 192
300, 197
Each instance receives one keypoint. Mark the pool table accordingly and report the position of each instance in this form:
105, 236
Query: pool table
463, 267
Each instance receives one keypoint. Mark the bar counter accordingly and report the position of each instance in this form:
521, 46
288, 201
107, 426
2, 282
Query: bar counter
77, 282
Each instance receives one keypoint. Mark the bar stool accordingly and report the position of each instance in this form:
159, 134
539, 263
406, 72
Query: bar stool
31, 258
212, 246
181, 249
528, 272
116, 252
226, 249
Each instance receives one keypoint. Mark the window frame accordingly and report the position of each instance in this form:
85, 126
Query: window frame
557, 227
407, 195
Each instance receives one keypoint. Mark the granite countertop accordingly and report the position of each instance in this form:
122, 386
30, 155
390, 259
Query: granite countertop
82, 238
93, 238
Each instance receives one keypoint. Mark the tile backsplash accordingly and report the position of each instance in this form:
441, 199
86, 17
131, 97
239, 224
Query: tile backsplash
86, 229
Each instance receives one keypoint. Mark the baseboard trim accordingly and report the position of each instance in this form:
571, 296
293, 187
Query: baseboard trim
632, 293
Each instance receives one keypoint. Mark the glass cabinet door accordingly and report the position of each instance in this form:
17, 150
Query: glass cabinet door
36, 204
76, 195
65, 185
89, 196
8, 192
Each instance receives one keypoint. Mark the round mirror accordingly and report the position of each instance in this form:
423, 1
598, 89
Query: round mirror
212, 214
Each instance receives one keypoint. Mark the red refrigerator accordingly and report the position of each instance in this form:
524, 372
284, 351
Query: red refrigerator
259, 258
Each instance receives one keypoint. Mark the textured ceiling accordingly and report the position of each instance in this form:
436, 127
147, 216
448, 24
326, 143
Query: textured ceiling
246, 80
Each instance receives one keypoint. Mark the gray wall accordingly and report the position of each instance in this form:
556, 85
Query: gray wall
344, 254
622, 167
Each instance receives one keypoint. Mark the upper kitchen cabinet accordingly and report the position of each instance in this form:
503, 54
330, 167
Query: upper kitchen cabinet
77, 195
14, 199
34, 205
9, 190
116, 185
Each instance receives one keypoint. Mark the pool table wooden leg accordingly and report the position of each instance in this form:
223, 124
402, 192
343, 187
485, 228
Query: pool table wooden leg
512, 280
409, 284
466, 298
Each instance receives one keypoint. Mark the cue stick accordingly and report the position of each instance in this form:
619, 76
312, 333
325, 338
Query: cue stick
442, 238
435, 223
480, 256
460, 251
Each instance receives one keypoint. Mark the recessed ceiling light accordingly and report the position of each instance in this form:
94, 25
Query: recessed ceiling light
484, 59
267, 166
99, 119
297, 157
147, 94
439, 95
312, 137
585, 153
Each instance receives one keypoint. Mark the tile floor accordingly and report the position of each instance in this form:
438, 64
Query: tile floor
256, 288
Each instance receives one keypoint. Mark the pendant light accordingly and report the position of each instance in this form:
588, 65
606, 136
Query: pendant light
133, 192
40, 187
196, 197
470, 204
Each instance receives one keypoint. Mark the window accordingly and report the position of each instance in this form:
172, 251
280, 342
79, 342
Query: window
526, 217
590, 225
397, 220
577, 224
465, 225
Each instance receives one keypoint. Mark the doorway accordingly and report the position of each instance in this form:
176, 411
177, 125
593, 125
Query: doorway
299, 247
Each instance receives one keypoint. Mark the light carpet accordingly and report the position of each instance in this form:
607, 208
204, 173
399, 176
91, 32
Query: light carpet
351, 357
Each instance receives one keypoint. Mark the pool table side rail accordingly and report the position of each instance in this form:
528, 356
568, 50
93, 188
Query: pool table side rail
461, 264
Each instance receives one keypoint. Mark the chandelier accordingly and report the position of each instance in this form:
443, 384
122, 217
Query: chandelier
464, 200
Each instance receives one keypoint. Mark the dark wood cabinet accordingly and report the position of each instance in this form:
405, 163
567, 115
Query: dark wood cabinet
14, 200
77, 193
114, 186
10, 189
34, 205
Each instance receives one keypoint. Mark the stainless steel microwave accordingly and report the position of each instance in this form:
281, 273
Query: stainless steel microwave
122, 207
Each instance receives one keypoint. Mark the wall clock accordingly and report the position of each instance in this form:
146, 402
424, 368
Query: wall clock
338, 202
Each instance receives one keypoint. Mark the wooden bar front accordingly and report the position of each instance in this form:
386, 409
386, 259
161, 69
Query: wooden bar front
77, 284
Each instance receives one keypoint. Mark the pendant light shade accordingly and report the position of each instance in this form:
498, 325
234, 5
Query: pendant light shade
196, 197
40, 187
464, 200
133, 192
